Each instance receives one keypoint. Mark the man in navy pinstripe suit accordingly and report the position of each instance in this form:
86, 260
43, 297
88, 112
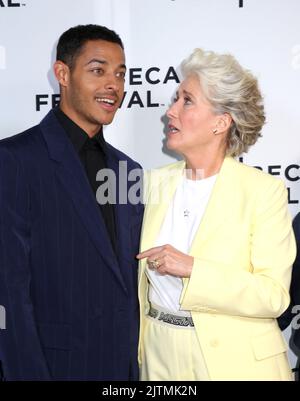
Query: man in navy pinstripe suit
68, 273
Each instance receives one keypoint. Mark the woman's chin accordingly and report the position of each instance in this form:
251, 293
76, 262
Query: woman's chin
171, 144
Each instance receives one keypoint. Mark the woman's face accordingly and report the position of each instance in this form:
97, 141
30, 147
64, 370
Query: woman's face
191, 119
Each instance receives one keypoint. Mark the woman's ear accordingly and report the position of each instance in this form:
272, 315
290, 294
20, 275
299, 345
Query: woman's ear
223, 123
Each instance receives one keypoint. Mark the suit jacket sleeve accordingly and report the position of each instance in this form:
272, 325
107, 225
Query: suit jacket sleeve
262, 289
295, 286
21, 354
292, 314
285, 319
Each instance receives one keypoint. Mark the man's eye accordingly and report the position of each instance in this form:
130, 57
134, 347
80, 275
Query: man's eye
175, 99
121, 74
187, 100
97, 71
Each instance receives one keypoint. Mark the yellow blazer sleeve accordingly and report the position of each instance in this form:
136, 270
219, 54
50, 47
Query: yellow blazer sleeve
262, 289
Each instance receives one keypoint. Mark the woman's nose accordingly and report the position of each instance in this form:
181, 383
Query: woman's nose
171, 112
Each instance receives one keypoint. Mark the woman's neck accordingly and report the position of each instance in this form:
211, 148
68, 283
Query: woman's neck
204, 166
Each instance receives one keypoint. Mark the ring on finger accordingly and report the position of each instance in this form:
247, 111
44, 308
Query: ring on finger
153, 264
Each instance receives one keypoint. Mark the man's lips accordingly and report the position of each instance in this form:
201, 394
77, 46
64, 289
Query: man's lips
107, 102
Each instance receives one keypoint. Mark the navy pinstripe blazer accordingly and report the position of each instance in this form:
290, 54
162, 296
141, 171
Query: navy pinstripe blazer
287, 317
71, 302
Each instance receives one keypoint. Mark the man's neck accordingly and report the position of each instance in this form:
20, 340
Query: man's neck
90, 129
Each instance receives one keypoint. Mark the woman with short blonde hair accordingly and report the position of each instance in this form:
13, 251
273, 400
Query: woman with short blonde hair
216, 252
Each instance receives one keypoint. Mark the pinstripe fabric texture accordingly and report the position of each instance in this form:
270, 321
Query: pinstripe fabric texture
71, 302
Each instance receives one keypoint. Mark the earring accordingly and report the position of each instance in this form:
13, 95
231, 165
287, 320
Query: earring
215, 131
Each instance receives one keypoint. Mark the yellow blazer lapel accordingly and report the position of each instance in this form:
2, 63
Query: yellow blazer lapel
163, 183
219, 207
220, 204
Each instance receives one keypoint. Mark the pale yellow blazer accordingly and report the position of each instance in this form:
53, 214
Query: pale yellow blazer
243, 253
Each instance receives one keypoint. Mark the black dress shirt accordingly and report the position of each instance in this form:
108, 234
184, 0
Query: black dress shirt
92, 153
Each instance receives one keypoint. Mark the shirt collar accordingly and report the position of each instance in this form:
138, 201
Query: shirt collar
76, 134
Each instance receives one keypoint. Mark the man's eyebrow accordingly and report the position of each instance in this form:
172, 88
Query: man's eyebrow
96, 60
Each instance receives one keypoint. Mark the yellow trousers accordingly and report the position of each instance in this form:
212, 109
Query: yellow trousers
171, 353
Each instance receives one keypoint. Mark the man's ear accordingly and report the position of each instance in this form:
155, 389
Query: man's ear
62, 73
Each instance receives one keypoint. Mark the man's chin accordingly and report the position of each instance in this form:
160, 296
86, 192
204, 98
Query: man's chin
107, 121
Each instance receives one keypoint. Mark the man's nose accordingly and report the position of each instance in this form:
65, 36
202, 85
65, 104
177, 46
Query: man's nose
112, 83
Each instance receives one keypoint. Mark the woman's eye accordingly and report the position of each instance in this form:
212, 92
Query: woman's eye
175, 99
187, 100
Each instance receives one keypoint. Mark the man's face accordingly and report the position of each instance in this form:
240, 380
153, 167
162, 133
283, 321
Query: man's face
93, 89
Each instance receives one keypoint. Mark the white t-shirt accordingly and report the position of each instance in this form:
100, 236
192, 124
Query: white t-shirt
178, 229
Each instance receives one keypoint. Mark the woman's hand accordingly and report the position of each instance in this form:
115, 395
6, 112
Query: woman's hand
166, 259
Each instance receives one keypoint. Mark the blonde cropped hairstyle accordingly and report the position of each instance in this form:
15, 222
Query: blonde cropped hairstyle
231, 89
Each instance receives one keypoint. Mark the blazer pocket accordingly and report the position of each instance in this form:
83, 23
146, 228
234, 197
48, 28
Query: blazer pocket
56, 336
268, 344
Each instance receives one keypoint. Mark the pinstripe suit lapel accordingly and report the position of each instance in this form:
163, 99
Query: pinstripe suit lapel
72, 177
